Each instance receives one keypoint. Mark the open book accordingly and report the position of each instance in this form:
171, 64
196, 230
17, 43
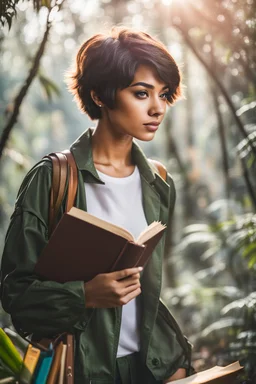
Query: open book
218, 375
83, 246
144, 236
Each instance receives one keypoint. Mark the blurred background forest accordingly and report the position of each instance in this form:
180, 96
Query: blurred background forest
207, 141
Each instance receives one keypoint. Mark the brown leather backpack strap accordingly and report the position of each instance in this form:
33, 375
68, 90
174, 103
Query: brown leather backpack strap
64, 165
72, 181
159, 167
59, 177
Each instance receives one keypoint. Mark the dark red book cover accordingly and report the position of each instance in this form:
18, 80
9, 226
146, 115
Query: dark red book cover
78, 250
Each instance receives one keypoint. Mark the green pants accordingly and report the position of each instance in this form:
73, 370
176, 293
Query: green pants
131, 371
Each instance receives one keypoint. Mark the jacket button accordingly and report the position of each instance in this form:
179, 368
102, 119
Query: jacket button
155, 362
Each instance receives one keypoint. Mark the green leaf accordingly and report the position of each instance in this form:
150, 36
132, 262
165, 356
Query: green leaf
250, 161
252, 261
49, 87
221, 326
246, 302
17, 340
5, 371
249, 249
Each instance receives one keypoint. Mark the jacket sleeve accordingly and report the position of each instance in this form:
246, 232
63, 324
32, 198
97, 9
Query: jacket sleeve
44, 308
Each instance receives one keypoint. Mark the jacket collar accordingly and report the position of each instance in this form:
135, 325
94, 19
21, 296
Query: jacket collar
82, 152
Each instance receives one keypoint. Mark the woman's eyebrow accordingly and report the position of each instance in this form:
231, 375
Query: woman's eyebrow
146, 85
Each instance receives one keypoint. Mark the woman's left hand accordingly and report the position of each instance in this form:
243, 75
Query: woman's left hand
179, 374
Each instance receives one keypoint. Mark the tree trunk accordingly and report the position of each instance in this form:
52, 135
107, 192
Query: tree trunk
223, 143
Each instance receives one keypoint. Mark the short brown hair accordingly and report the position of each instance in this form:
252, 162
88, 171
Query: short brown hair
105, 63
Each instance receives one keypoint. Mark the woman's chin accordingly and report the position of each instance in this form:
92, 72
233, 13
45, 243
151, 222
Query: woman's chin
146, 136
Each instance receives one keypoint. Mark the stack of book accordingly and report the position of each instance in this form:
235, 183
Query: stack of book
36, 366
46, 366
49, 366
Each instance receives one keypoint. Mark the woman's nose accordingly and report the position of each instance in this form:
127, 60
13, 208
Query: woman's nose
157, 107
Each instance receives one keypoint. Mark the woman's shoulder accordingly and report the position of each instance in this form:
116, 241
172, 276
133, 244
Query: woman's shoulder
159, 167
36, 183
161, 170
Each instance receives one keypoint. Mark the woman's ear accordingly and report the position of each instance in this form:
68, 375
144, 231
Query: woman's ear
96, 99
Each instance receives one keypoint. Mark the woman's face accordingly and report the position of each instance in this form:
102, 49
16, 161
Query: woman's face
140, 107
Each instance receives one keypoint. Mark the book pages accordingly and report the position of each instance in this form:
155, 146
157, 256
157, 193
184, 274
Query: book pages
145, 235
209, 374
82, 215
150, 231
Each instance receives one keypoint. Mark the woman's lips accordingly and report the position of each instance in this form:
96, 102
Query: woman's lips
152, 127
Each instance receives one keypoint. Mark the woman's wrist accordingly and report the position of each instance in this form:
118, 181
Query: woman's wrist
88, 301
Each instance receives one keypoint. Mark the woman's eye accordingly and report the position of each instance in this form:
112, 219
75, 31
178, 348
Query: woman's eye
141, 94
165, 95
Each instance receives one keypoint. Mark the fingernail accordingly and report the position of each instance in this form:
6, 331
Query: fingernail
140, 268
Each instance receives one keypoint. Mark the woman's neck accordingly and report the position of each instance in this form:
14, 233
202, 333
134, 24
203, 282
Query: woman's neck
112, 152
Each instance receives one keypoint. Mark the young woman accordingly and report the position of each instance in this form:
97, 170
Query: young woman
123, 332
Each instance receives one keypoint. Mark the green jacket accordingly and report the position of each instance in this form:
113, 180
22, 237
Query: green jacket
47, 308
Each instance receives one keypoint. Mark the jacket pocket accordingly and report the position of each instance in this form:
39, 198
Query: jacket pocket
168, 348
167, 316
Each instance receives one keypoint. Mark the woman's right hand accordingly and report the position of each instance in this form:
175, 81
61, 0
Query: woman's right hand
113, 289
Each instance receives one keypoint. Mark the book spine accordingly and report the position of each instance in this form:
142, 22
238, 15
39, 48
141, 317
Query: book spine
44, 367
31, 358
129, 256
55, 367
69, 366
117, 261
62, 364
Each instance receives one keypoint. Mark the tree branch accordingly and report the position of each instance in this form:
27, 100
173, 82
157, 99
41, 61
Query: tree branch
24, 89
218, 83
237, 43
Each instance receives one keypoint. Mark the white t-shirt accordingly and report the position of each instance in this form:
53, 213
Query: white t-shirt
119, 201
